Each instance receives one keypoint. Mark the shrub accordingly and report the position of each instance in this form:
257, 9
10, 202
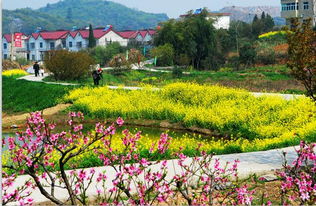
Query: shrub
177, 72
247, 54
66, 65
266, 57
103, 54
22, 61
226, 69
120, 64
183, 60
164, 54
8, 64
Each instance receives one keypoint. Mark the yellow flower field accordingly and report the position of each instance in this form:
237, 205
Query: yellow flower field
228, 111
14, 72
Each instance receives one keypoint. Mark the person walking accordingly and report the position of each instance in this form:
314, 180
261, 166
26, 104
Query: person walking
97, 76
36, 68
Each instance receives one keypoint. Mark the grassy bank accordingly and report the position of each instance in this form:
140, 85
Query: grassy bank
267, 78
21, 96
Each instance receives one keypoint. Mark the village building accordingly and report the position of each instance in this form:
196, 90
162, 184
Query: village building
35, 45
221, 20
19, 52
301, 9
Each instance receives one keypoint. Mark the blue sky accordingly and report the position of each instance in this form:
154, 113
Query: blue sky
173, 8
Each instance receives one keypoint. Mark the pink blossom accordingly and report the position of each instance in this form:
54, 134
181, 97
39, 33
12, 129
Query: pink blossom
119, 121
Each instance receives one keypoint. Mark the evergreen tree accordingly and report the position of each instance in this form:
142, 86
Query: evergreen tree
92, 41
255, 19
263, 16
268, 23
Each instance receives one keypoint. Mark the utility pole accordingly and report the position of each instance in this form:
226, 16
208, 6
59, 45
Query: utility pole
237, 44
12, 47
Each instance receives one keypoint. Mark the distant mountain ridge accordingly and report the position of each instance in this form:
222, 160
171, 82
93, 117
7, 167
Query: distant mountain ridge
247, 14
68, 13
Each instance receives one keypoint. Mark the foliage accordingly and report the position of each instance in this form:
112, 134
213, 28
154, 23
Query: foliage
56, 16
91, 40
42, 153
135, 56
266, 57
102, 55
177, 72
164, 53
262, 25
247, 55
226, 69
24, 96
22, 61
228, 111
8, 64
194, 36
14, 73
66, 65
302, 56
128, 18
120, 63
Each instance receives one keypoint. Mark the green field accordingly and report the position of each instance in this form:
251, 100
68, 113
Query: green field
20, 96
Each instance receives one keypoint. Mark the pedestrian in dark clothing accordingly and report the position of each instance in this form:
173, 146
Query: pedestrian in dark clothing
36, 68
97, 76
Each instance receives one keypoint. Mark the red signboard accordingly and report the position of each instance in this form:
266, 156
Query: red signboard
18, 39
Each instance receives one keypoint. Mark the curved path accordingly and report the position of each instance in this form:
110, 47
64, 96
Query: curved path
256, 94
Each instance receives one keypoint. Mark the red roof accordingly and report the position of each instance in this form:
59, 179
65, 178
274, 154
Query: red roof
143, 33
8, 37
128, 34
98, 33
51, 35
152, 32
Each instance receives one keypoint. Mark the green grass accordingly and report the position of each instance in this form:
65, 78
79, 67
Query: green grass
267, 78
20, 96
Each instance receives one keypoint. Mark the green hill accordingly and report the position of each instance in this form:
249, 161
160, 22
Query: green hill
68, 13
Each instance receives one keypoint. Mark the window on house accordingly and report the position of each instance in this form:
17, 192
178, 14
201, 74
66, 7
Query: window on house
306, 5
5, 46
52, 45
79, 44
33, 57
41, 44
70, 44
290, 7
5, 56
32, 45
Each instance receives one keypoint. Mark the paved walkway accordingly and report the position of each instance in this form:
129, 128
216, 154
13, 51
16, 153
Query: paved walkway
250, 163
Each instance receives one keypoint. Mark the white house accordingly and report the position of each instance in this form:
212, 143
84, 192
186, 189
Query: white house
41, 42
20, 52
139, 36
221, 20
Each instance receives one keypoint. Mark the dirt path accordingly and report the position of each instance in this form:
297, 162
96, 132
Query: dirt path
7, 121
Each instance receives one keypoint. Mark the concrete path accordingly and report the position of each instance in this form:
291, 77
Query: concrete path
256, 94
250, 163
33, 78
